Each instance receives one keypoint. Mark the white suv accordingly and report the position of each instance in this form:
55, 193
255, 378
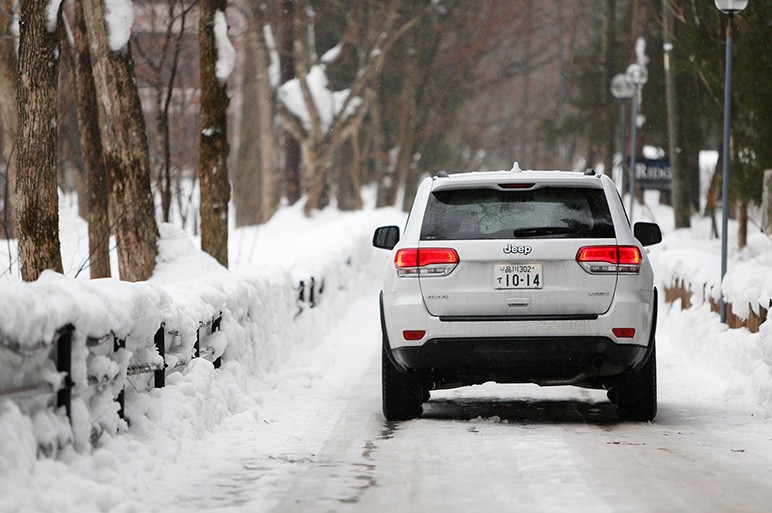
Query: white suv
518, 277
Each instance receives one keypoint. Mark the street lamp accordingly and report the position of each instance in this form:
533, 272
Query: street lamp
729, 7
637, 75
622, 89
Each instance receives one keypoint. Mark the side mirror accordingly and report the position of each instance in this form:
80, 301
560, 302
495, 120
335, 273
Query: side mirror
386, 237
647, 233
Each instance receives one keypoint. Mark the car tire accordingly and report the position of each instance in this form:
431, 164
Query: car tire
402, 392
636, 393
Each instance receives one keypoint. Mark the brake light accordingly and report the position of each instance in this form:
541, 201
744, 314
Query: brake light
412, 262
516, 185
610, 259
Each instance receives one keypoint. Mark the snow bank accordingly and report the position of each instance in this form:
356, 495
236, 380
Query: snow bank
260, 313
739, 357
694, 258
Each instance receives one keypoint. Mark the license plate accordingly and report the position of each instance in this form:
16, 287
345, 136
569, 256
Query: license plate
517, 276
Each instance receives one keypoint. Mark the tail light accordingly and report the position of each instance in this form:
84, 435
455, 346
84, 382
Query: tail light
610, 259
414, 262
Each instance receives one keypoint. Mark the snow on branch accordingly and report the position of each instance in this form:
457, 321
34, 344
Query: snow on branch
329, 104
52, 15
226, 54
119, 15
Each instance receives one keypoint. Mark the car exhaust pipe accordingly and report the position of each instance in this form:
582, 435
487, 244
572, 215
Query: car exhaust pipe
598, 362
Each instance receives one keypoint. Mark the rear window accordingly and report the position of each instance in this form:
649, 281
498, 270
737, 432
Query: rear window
548, 212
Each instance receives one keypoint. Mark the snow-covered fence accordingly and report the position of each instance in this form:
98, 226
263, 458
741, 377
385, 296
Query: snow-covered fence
689, 271
88, 362
72, 345
127, 339
753, 315
60, 351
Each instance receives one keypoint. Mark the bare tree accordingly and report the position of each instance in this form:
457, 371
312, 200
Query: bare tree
159, 55
213, 140
318, 138
124, 140
37, 212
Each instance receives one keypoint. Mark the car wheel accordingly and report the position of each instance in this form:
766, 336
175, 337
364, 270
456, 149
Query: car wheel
401, 391
636, 393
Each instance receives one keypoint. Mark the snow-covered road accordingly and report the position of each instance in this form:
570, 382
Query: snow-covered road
319, 443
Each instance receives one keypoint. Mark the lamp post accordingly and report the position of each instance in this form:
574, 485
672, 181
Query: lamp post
622, 89
637, 75
730, 8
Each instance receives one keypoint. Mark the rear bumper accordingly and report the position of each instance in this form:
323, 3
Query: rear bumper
630, 309
554, 360
526, 350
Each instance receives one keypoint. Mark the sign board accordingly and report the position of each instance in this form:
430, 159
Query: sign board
653, 174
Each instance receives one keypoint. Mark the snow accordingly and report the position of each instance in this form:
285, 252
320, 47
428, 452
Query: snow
226, 54
119, 15
299, 381
329, 104
692, 256
274, 68
332, 54
52, 14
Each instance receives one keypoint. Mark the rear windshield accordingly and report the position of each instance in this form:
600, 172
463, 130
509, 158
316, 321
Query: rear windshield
548, 212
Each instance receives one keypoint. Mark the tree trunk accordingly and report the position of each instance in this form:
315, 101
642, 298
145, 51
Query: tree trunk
742, 223
259, 178
213, 140
97, 196
681, 205
609, 105
270, 179
9, 115
383, 169
315, 176
126, 156
164, 174
246, 197
37, 211
292, 151
349, 180
407, 126
315, 147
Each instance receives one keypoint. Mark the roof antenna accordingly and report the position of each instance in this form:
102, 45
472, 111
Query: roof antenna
516, 168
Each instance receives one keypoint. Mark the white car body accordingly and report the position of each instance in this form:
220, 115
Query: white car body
581, 323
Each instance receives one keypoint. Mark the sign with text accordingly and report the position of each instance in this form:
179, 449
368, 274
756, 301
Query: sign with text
653, 174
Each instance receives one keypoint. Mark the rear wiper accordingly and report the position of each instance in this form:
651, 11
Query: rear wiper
537, 231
